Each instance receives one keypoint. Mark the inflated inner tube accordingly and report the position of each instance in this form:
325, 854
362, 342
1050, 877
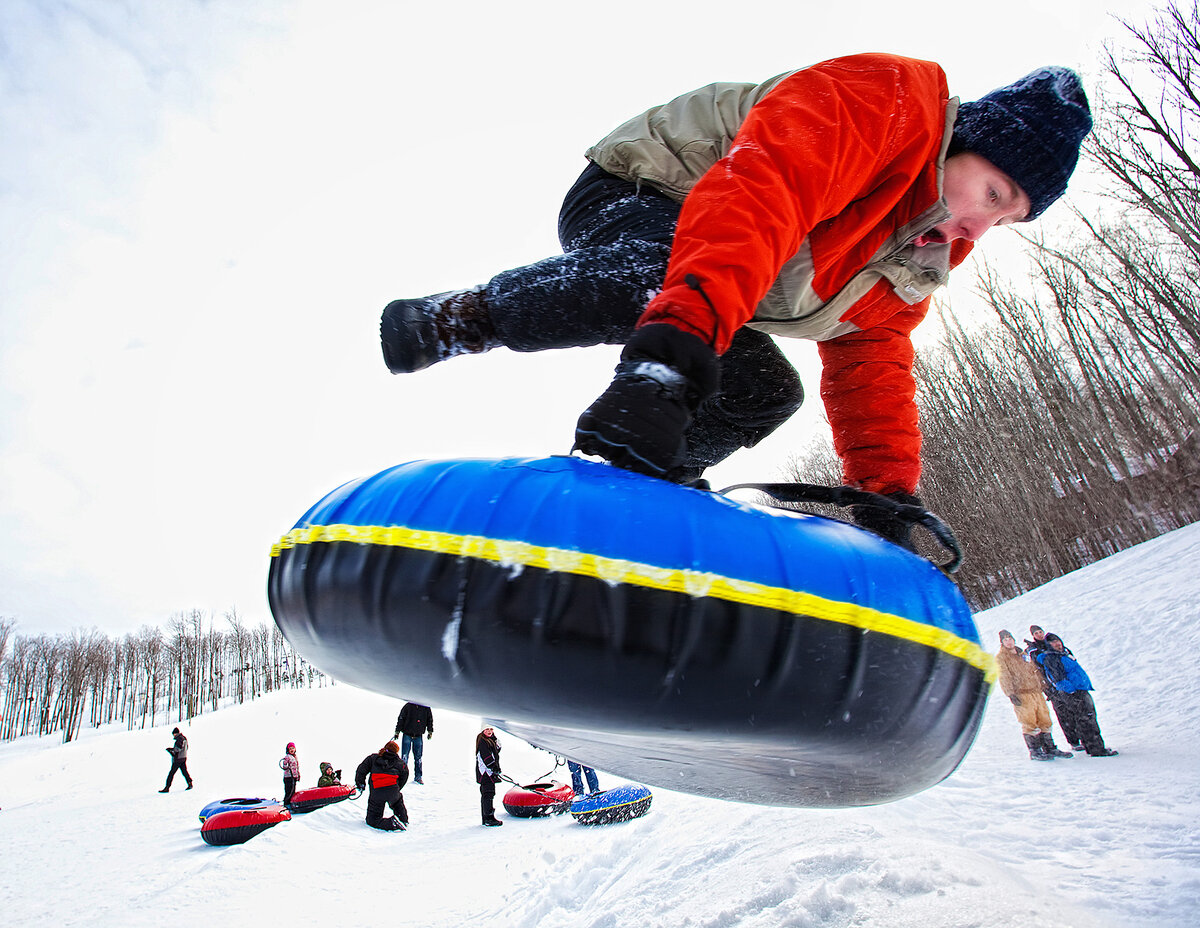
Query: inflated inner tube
309, 800
607, 807
238, 804
237, 826
538, 799
666, 634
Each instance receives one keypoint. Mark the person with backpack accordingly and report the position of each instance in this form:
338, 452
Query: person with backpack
386, 774
179, 753
487, 773
290, 764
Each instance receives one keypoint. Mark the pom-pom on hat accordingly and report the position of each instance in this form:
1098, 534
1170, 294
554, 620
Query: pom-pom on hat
1031, 130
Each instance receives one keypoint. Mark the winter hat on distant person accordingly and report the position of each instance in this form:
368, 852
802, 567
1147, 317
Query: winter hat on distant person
290, 745
1031, 130
1005, 633
1034, 628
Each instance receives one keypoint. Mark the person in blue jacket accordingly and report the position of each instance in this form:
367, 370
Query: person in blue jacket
1072, 681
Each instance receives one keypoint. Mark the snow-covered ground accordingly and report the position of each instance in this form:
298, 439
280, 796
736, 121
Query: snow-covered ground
86, 839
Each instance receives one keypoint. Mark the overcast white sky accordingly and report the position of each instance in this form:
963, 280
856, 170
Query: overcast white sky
205, 205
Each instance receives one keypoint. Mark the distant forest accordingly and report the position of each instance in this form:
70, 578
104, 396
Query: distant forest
55, 684
1064, 429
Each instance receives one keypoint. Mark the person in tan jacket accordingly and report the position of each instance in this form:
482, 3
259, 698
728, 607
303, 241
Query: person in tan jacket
1021, 682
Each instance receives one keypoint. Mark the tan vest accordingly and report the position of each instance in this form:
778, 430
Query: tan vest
671, 146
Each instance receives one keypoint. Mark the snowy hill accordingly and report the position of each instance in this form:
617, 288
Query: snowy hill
1003, 842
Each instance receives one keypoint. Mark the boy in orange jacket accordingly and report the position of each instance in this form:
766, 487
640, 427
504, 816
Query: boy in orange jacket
827, 204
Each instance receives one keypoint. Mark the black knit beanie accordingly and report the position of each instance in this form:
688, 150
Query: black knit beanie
1031, 130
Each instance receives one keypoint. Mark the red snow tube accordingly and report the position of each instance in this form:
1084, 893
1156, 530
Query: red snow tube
538, 799
238, 826
309, 800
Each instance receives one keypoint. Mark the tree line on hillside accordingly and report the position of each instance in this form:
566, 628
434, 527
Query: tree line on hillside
1065, 429
58, 683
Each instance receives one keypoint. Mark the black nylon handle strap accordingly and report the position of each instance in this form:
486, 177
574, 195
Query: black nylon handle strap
848, 496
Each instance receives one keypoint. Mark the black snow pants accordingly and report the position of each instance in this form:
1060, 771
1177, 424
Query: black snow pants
377, 802
616, 239
180, 764
1081, 709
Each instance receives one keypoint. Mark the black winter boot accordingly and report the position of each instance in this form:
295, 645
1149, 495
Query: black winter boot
1036, 750
416, 334
1050, 747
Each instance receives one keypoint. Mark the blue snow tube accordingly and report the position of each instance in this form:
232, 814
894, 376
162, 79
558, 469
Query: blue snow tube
237, 804
665, 634
619, 804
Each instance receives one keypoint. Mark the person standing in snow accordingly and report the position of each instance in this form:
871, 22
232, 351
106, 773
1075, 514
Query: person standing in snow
411, 725
290, 764
1062, 711
178, 752
826, 204
1021, 681
387, 774
1070, 679
578, 773
487, 773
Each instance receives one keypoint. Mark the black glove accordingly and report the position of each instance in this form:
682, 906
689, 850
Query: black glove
1016, 700
639, 422
884, 523
396, 736
430, 736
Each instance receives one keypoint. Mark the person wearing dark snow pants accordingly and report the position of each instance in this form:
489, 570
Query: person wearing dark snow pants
1073, 682
826, 204
487, 773
387, 774
411, 726
178, 752
1062, 709
290, 764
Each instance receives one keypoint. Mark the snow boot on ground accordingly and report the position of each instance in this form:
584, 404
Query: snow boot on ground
492, 821
1104, 752
1077, 747
1051, 748
416, 334
1037, 750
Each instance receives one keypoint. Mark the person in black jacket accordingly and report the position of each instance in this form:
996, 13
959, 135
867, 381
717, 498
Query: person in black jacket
388, 774
178, 752
487, 773
411, 725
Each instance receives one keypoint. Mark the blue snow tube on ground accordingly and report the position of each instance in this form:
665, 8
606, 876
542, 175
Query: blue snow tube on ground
609, 806
227, 805
669, 635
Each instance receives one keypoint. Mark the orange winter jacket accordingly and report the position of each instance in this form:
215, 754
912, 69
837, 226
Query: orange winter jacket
801, 200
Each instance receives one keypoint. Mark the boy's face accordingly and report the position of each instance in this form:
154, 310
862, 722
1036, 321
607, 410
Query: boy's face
979, 196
